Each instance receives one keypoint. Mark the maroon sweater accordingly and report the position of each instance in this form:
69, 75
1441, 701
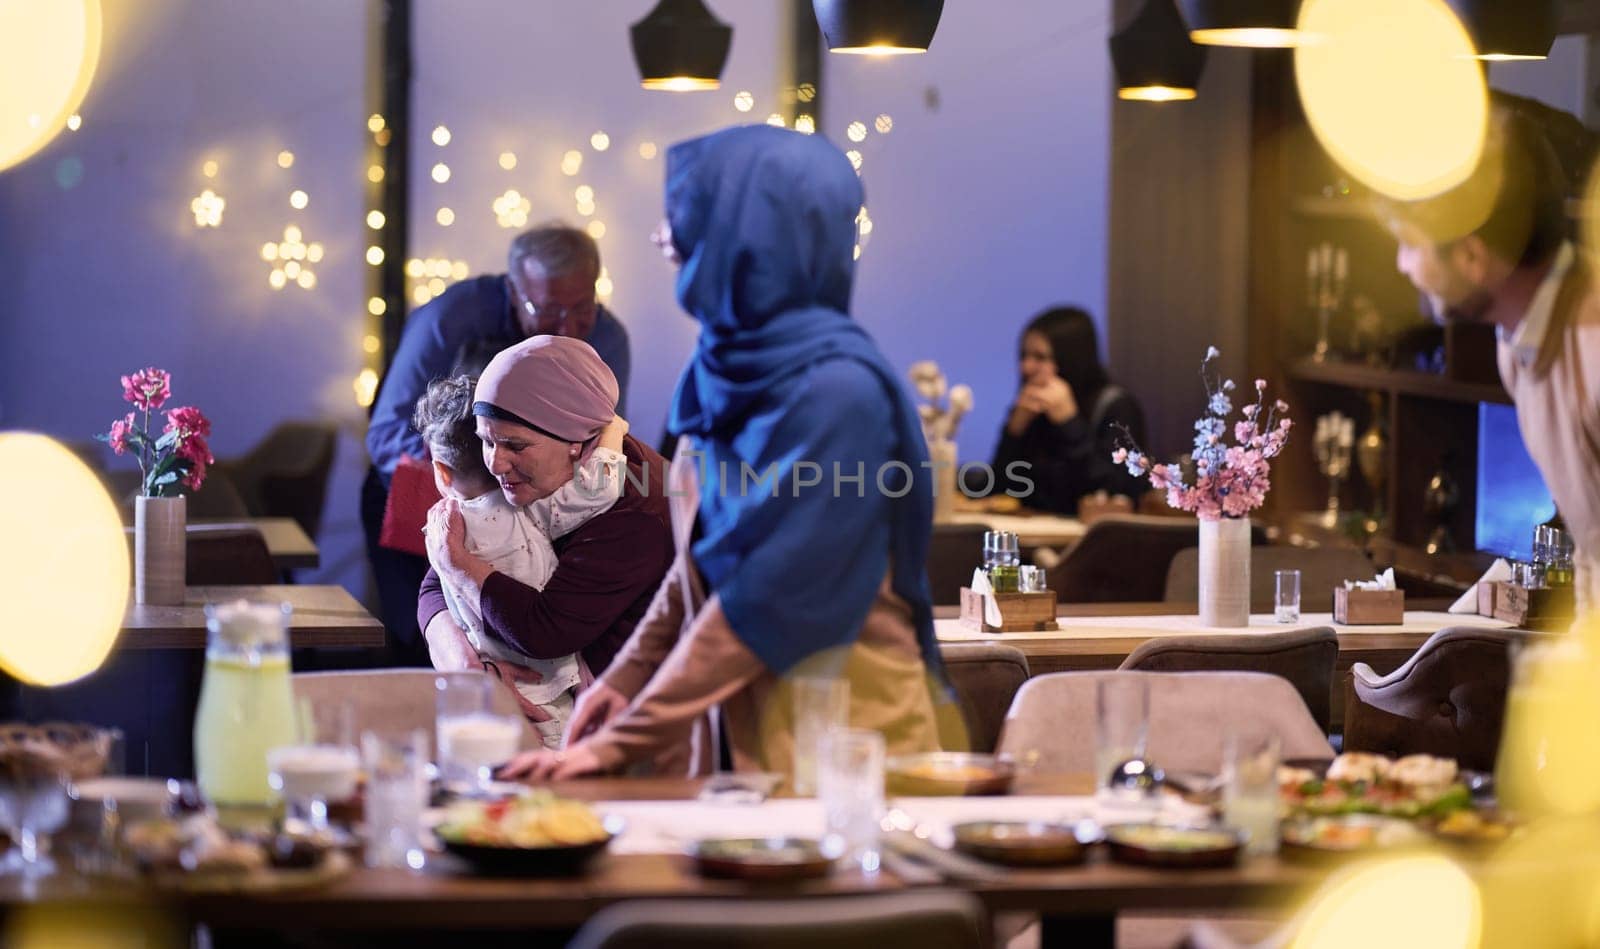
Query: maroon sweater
606, 574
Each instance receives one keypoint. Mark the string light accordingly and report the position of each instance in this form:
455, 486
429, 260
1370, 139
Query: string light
436, 285
374, 173
314, 252
458, 270
285, 158
596, 229
856, 132
584, 194
441, 136
209, 169
74, 122
276, 280
571, 162
298, 200
371, 343
776, 119
414, 268
269, 251
366, 386
374, 255
381, 137
375, 123
375, 219
600, 141
445, 217
376, 306
511, 209
587, 210
603, 285
430, 276
743, 101
307, 279
420, 294
207, 207
864, 222
508, 160
855, 159
291, 258
806, 92
441, 172
883, 123
805, 124
647, 150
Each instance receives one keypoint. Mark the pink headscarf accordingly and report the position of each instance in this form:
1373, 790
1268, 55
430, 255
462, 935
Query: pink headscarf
553, 384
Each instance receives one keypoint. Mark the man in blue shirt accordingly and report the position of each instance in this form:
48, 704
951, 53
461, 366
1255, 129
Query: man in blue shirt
548, 289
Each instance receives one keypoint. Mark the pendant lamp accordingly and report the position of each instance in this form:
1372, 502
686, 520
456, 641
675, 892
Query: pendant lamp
680, 47
878, 27
1153, 57
1504, 30
1257, 23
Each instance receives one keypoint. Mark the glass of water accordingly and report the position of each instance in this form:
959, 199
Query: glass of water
473, 737
1286, 602
821, 703
1122, 722
1250, 787
397, 793
850, 786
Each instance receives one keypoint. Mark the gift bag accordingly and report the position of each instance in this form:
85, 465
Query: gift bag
411, 494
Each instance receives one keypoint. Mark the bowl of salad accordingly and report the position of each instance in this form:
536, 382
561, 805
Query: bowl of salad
531, 835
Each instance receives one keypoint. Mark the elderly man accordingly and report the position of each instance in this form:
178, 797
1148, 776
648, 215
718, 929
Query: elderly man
1495, 250
548, 290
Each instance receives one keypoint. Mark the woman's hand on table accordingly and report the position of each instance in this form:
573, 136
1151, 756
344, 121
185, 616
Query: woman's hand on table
546, 765
596, 705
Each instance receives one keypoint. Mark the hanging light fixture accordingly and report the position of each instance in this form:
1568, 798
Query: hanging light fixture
878, 27
1258, 23
1153, 57
681, 47
1504, 30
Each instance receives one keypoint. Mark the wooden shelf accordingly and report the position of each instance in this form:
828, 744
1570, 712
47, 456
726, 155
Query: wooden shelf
1397, 382
1333, 208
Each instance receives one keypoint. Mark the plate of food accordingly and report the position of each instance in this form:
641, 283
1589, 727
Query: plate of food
1473, 830
761, 858
194, 854
948, 774
1027, 843
1163, 845
1344, 834
536, 834
1361, 783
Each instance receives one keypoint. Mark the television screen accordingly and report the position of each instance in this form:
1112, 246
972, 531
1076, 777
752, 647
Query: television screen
1512, 497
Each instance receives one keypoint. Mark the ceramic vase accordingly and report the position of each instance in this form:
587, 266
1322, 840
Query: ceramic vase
942, 455
1225, 572
158, 550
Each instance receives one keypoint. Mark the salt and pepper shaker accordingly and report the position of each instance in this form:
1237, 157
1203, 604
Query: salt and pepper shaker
1001, 558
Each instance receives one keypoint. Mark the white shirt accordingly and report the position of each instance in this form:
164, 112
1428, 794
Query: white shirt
516, 542
1528, 337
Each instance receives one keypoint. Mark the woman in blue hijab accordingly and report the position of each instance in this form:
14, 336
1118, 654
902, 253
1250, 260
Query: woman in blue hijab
801, 499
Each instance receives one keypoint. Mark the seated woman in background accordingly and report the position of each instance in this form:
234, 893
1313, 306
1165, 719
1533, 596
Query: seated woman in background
1063, 423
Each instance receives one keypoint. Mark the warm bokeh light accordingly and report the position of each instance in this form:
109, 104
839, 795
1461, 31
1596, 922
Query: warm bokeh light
458, 270
857, 255
74, 122
586, 208
104, 924
1539, 886
777, 119
207, 207
681, 84
1258, 37
366, 386
381, 138
603, 285
414, 268
743, 101
508, 160
571, 162
48, 54
306, 280
269, 251
1549, 761
596, 229
1392, 94
374, 173
375, 219
1155, 94
878, 49
599, 141
436, 285
806, 92
376, 306
313, 252
1423, 902
445, 217
66, 547
292, 269
370, 344
805, 124
209, 168
285, 159
855, 159
883, 123
441, 136
856, 131
583, 194
441, 172
375, 122
292, 234
420, 294
647, 150
298, 199
374, 255
511, 209
1589, 219
277, 279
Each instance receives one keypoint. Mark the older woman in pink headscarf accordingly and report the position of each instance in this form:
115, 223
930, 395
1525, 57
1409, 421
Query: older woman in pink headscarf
540, 405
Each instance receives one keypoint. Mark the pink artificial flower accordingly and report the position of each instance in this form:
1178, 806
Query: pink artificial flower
195, 450
148, 389
120, 430
1120, 456
187, 420
1261, 385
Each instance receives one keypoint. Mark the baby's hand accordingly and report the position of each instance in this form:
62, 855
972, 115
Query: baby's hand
611, 435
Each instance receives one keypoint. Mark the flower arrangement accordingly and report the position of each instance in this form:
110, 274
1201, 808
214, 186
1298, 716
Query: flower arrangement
179, 456
945, 405
1230, 480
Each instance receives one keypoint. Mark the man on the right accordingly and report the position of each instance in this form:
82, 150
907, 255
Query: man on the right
1495, 249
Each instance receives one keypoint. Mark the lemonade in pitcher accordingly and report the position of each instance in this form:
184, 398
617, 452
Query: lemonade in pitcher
246, 703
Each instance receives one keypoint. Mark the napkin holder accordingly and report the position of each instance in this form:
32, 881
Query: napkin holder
1019, 612
1544, 609
1369, 607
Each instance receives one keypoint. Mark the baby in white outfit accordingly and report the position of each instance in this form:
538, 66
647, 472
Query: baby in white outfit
515, 541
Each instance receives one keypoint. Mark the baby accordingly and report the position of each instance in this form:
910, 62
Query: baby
515, 541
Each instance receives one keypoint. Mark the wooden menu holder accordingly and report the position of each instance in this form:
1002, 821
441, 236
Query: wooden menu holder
1544, 609
1019, 612
1369, 607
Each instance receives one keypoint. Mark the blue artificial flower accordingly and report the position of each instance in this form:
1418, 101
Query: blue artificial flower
1135, 463
1220, 403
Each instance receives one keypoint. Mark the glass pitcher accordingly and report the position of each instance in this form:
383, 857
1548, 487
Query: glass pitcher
246, 703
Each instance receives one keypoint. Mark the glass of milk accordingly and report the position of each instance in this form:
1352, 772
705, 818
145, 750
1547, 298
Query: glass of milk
473, 737
321, 767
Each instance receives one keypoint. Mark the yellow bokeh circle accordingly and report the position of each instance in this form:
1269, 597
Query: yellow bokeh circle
48, 53
64, 571
1392, 92
1419, 902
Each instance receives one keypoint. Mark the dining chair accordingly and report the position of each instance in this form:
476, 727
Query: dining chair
1123, 558
986, 677
227, 557
394, 701
927, 919
954, 551
1448, 699
1052, 720
1304, 657
1321, 570
286, 474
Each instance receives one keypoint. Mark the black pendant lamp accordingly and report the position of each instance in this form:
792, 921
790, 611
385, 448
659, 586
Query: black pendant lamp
1258, 23
1509, 29
1153, 57
681, 47
878, 27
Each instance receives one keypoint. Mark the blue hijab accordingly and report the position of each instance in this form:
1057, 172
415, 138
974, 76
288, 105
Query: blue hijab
783, 389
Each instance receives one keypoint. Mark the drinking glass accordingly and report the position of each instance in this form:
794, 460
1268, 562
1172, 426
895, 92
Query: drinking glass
473, 738
821, 703
1286, 604
850, 786
1122, 722
397, 793
33, 805
1250, 787
322, 766
1031, 579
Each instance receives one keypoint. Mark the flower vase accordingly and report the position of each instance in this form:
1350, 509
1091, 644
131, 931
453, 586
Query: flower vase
1225, 571
942, 455
159, 540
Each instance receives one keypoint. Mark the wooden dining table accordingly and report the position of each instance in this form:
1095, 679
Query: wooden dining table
1034, 529
322, 616
288, 544
1078, 905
